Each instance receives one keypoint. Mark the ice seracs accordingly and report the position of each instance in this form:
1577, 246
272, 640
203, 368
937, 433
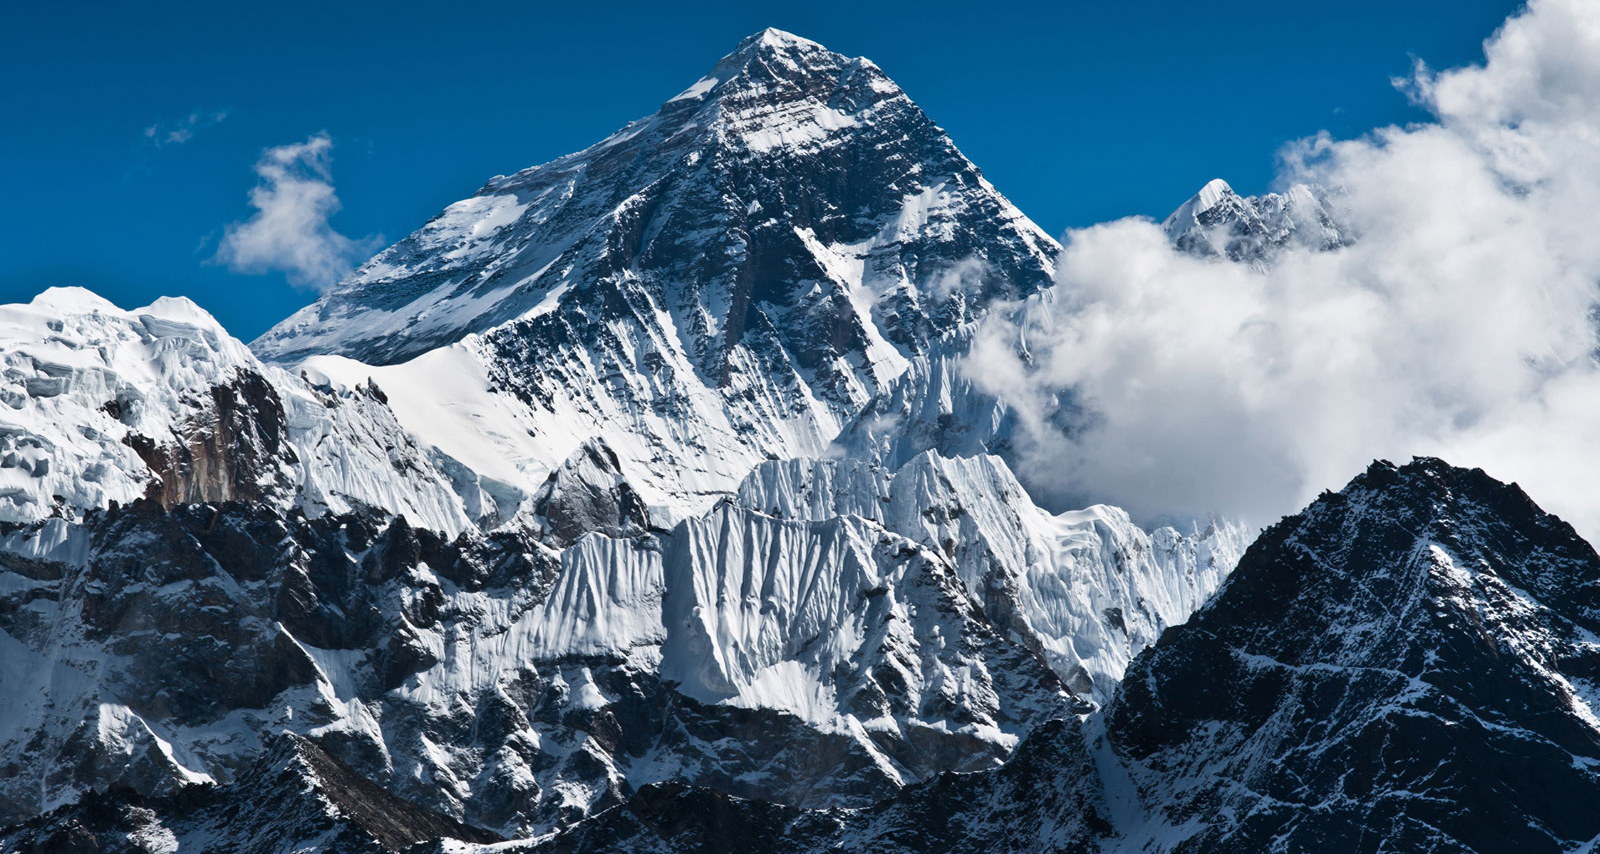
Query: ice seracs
1085, 589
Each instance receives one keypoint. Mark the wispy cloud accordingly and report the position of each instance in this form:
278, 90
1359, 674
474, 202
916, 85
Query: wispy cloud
290, 230
163, 134
1460, 323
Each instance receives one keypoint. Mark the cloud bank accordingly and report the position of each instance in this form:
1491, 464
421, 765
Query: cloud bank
1460, 323
289, 231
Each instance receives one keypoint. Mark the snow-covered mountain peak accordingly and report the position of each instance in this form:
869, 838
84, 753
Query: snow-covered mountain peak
1215, 192
752, 132
765, 57
71, 298
1218, 222
777, 51
774, 39
728, 280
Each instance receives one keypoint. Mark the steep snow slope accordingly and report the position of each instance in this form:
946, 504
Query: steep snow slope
726, 281
1086, 589
102, 405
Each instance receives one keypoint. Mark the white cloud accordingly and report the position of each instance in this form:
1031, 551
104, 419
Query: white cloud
965, 276
1459, 324
290, 231
163, 134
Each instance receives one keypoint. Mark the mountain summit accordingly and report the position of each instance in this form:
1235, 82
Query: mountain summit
786, 166
726, 281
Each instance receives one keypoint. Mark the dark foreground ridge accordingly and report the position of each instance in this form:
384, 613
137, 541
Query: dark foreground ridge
1407, 665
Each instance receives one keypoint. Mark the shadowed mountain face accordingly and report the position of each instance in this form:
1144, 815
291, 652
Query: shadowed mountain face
295, 798
1408, 665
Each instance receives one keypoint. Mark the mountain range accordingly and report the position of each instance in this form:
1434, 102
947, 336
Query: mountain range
645, 501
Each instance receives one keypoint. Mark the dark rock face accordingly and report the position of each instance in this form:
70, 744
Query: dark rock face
1045, 799
200, 618
1407, 665
234, 451
589, 493
666, 818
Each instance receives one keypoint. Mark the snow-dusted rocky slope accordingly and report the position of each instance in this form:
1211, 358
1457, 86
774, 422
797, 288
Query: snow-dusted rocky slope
296, 797
1407, 665
727, 281
829, 635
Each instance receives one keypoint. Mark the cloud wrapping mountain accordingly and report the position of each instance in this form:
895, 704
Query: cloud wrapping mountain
1457, 320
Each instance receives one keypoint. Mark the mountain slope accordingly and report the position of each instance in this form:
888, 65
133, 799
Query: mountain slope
296, 798
726, 281
1407, 665
897, 627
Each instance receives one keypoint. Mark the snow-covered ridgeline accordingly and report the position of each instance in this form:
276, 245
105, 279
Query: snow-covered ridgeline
99, 404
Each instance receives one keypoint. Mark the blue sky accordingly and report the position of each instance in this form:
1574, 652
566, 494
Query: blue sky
1080, 112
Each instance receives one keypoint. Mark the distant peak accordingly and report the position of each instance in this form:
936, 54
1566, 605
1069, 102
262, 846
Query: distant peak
1187, 215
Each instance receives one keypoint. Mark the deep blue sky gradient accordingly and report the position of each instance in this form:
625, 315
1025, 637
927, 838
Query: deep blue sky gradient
1080, 112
